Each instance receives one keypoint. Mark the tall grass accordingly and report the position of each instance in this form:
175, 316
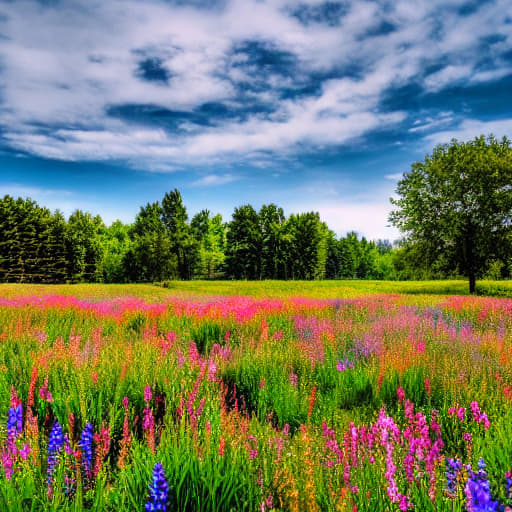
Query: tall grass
292, 404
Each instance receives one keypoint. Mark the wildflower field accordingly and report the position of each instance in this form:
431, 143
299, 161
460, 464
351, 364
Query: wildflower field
146, 398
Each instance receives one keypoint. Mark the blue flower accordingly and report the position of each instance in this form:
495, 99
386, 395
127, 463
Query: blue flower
15, 420
86, 445
478, 492
56, 439
158, 491
453, 469
54, 446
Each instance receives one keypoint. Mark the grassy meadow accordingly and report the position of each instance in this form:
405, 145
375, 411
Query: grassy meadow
256, 396
324, 289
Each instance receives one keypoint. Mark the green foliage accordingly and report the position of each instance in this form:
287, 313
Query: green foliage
150, 258
243, 244
210, 234
183, 244
83, 244
455, 206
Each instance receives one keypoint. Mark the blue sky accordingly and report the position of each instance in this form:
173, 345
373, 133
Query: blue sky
108, 104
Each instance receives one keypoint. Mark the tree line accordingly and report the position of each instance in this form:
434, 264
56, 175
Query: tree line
454, 210
40, 246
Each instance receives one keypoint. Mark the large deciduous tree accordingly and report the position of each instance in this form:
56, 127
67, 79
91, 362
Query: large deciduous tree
456, 205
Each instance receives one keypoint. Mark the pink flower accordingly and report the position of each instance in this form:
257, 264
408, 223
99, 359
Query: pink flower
400, 393
193, 354
25, 451
404, 503
212, 371
147, 393
44, 392
486, 421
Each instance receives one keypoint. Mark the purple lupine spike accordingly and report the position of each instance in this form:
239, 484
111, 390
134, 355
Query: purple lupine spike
454, 466
55, 443
56, 439
85, 444
478, 493
158, 491
15, 420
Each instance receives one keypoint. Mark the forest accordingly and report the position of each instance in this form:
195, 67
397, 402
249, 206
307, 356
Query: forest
41, 246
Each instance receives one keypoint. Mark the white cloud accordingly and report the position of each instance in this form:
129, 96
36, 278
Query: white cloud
214, 180
429, 123
64, 66
449, 75
471, 128
348, 208
367, 218
17, 190
395, 176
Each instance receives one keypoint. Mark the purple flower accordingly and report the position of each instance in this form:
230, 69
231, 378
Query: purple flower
158, 490
15, 420
478, 493
454, 466
56, 439
54, 446
86, 446
344, 365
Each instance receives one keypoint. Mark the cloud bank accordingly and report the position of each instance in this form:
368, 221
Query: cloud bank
166, 84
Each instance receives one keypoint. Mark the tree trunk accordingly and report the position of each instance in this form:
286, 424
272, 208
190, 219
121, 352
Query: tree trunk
472, 282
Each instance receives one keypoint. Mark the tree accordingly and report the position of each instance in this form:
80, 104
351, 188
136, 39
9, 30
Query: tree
271, 226
243, 244
150, 258
456, 205
308, 251
54, 263
210, 234
115, 244
84, 250
183, 244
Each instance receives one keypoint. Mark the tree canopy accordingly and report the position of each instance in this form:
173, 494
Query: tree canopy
455, 207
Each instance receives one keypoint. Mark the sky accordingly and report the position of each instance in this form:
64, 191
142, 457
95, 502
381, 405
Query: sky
105, 105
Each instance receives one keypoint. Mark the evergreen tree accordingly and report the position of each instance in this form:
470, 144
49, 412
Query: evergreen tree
272, 220
84, 247
243, 244
150, 258
308, 250
183, 243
